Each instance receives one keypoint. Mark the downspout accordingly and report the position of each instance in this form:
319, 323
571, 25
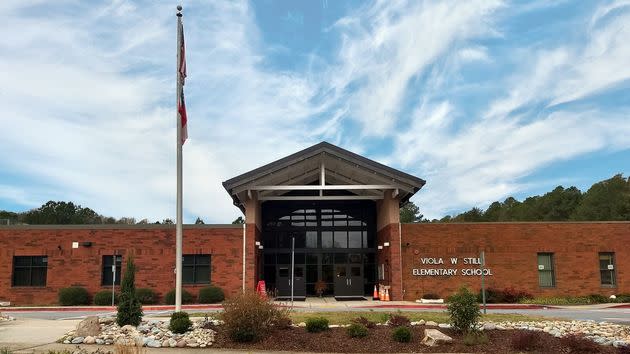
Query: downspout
244, 254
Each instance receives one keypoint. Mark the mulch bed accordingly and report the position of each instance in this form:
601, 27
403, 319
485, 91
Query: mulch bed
379, 341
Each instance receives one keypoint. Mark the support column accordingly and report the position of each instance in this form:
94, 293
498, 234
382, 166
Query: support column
253, 222
388, 230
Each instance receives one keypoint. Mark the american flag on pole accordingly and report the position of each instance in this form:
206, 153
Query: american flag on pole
181, 105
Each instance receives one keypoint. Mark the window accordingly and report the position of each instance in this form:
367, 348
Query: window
108, 275
607, 268
29, 270
546, 277
196, 269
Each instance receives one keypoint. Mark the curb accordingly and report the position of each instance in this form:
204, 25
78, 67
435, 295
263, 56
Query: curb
105, 308
443, 307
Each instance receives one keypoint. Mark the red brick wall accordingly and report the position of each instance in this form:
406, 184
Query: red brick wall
152, 246
511, 254
390, 256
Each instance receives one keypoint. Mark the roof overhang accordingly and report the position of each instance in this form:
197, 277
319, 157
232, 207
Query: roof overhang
322, 172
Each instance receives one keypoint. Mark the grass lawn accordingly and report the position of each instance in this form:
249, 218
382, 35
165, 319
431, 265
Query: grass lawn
344, 317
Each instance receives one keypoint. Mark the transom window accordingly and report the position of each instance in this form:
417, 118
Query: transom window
196, 269
30, 270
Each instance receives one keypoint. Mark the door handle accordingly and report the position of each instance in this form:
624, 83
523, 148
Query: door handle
350, 281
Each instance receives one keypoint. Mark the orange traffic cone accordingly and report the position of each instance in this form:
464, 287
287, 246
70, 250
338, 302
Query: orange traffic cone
375, 296
386, 294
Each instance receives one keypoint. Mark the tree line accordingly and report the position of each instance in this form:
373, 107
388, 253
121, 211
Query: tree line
607, 200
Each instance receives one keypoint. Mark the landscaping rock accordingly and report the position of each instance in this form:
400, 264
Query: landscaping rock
433, 337
77, 340
89, 340
90, 326
181, 344
431, 323
444, 325
152, 343
489, 326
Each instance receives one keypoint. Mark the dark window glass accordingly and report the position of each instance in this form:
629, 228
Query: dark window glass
311, 239
300, 239
311, 258
311, 273
196, 269
327, 258
327, 273
30, 270
284, 240
607, 268
354, 239
355, 271
341, 271
546, 276
327, 239
299, 258
107, 274
341, 258
283, 272
284, 258
298, 272
270, 258
341, 239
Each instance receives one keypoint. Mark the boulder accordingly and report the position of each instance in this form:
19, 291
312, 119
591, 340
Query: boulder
431, 323
433, 337
89, 327
489, 326
77, 340
89, 340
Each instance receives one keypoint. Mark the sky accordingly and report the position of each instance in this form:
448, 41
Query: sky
482, 99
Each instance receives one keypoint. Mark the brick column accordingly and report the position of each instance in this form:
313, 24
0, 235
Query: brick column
388, 230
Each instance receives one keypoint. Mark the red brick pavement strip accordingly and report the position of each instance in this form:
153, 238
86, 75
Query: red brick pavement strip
489, 307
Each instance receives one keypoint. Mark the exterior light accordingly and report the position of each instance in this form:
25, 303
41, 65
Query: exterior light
380, 247
257, 243
260, 247
386, 244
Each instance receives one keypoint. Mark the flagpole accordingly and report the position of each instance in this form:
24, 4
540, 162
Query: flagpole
178, 227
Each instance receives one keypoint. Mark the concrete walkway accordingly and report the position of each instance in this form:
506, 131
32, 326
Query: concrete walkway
30, 332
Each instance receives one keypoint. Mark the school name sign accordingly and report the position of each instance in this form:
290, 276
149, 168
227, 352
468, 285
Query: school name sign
439, 268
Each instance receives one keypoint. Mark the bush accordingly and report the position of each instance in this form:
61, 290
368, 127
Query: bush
526, 340
463, 310
73, 296
597, 299
248, 317
129, 308
180, 322
187, 297
621, 298
211, 295
104, 298
398, 321
431, 296
505, 296
147, 296
364, 322
316, 324
402, 335
579, 344
357, 331
475, 338
563, 300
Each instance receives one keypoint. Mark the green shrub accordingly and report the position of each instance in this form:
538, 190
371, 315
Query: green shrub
623, 298
104, 298
248, 317
73, 296
187, 298
316, 324
147, 296
180, 322
211, 295
463, 310
356, 330
505, 296
475, 338
597, 299
129, 308
565, 300
402, 335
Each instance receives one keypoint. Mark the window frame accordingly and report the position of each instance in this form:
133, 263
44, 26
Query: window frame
551, 271
194, 266
30, 267
613, 275
118, 261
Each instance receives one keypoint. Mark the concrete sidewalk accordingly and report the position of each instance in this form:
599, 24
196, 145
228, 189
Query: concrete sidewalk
27, 333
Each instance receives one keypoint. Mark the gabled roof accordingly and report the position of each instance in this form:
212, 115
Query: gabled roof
342, 167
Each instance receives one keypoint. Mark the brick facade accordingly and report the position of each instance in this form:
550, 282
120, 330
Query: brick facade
511, 254
152, 247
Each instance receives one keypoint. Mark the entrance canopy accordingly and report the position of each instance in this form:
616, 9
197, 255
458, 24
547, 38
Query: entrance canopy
322, 172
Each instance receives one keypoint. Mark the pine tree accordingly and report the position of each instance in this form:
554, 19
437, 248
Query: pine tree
129, 307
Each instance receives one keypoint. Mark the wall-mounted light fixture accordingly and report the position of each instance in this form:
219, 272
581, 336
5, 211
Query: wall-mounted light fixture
260, 247
386, 244
257, 243
75, 245
380, 247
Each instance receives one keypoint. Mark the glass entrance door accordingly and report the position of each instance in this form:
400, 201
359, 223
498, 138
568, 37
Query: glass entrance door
349, 278
283, 281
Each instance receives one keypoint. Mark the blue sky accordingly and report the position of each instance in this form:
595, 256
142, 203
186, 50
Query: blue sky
483, 99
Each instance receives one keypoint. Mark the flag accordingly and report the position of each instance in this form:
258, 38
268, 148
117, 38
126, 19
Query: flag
181, 105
